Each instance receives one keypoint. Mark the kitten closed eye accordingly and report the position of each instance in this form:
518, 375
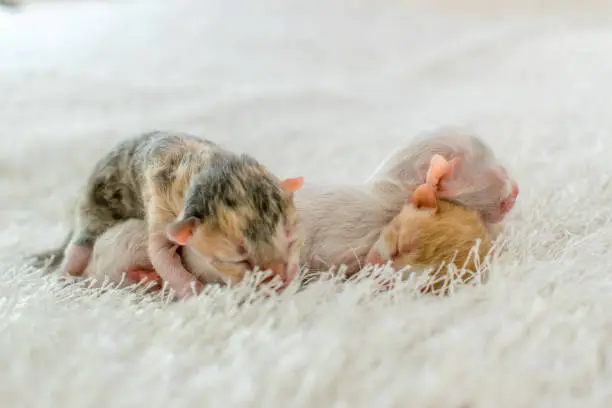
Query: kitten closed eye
243, 262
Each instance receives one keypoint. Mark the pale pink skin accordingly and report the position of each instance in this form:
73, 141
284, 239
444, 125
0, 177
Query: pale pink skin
161, 255
76, 258
124, 249
140, 257
340, 224
164, 258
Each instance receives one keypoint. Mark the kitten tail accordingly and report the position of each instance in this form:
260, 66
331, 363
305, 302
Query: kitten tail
49, 260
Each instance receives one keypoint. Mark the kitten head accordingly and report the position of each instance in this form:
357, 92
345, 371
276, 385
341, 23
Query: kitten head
487, 189
425, 238
476, 179
239, 216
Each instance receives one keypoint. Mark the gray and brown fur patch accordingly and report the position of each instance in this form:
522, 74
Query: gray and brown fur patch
243, 187
158, 175
116, 188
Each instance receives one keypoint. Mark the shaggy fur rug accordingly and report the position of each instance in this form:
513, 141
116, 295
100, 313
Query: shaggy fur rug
324, 89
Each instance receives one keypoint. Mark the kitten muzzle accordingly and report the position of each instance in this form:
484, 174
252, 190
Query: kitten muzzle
287, 272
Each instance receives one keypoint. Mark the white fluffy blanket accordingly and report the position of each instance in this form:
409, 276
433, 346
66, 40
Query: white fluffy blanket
324, 89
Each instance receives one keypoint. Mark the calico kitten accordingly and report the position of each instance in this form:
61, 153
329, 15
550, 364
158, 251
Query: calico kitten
191, 192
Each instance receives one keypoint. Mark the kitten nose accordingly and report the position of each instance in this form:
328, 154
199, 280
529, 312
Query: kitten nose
278, 269
287, 273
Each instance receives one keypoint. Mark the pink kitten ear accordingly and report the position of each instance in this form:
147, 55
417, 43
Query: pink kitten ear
424, 196
439, 168
292, 184
181, 230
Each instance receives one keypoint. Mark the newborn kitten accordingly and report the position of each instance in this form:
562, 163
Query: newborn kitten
191, 192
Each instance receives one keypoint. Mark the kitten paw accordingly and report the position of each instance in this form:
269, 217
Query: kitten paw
146, 275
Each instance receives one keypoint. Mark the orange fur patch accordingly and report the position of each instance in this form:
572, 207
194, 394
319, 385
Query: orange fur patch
422, 238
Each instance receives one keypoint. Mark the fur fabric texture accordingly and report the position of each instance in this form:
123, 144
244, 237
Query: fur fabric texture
325, 89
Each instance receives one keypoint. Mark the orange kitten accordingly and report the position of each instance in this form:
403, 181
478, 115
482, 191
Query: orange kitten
429, 238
